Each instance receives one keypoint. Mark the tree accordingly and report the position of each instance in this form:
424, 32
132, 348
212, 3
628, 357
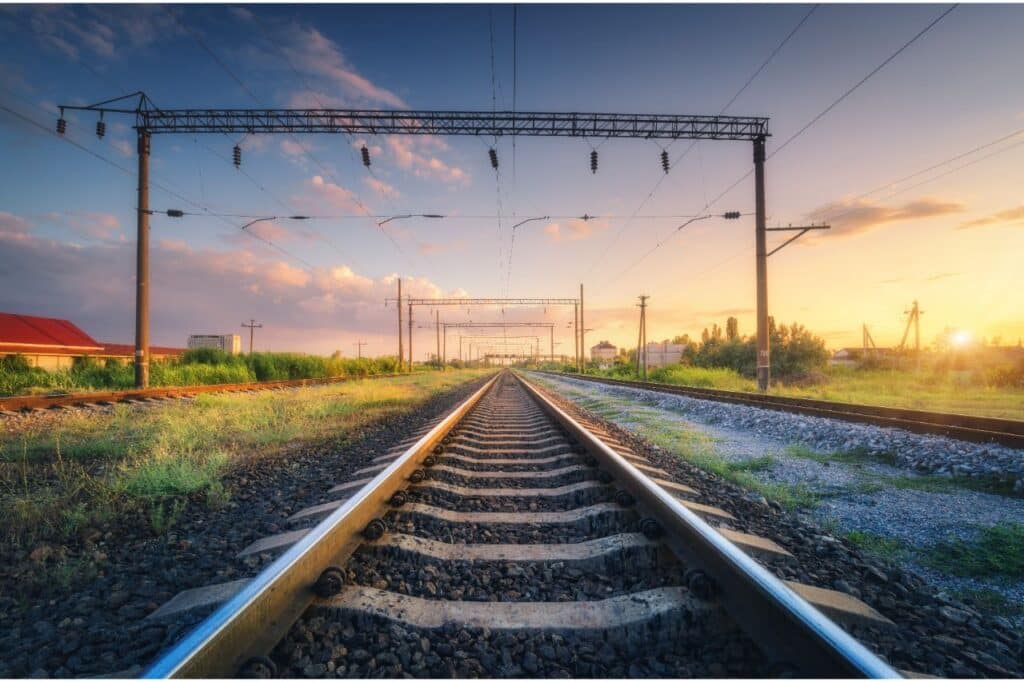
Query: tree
732, 329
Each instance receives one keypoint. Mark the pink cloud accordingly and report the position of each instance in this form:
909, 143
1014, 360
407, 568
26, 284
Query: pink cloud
573, 230
383, 189
313, 52
335, 196
403, 150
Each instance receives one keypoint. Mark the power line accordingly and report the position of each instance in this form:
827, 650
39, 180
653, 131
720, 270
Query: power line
305, 152
155, 184
865, 79
686, 151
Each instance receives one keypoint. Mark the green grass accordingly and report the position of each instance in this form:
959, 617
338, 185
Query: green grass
998, 551
906, 388
77, 472
696, 448
991, 601
878, 545
854, 456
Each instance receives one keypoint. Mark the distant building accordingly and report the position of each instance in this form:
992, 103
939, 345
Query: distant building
664, 353
229, 343
51, 344
603, 353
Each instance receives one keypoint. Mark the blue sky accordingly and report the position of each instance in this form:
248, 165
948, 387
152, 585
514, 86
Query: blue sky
67, 219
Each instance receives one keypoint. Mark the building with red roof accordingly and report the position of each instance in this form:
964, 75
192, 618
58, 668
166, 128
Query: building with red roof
51, 343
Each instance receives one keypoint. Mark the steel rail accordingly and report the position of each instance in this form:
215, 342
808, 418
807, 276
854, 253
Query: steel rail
30, 402
764, 607
254, 620
965, 427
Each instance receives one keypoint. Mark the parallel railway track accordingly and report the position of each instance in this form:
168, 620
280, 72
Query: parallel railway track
27, 403
1007, 432
513, 519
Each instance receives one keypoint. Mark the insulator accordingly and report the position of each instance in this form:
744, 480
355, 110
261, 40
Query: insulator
494, 158
101, 129
593, 161
62, 126
664, 161
237, 155
731, 215
366, 156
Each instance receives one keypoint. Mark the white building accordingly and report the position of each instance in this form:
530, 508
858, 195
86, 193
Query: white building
229, 343
604, 353
664, 353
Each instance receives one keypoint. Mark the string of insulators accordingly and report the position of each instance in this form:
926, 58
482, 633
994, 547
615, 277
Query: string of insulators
731, 215
62, 125
236, 154
101, 128
664, 161
366, 156
494, 158
593, 161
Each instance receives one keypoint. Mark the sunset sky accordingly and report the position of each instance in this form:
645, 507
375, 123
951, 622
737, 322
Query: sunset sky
951, 236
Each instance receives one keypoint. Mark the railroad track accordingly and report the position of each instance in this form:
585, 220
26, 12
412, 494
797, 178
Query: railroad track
1007, 432
514, 524
28, 403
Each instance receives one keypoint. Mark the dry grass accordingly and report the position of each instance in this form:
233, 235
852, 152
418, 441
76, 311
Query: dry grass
62, 476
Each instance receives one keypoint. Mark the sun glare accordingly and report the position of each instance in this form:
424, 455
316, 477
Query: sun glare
960, 338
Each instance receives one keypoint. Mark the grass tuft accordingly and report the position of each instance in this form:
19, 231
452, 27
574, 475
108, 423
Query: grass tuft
997, 551
878, 545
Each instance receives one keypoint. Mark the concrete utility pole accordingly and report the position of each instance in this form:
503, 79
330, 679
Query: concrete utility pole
642, 343
583, 333
576, 336
252, 326
760, 235
359, 348
437, 332
399, 306
142, 266
410, 337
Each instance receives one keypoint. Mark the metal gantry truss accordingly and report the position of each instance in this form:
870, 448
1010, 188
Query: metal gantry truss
442, 340
476, 123
445, 326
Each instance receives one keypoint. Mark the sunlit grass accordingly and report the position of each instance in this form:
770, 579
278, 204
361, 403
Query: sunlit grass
79, 470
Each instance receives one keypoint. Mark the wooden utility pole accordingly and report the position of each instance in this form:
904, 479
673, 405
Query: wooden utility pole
142, 266
642, 344
400, 349
359, 346
252, 326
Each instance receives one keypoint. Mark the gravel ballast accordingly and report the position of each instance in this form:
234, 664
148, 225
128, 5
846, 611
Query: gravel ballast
936, 633
97, 627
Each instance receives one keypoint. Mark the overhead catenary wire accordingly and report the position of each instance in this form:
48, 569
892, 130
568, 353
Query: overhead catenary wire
657, 185
30, 121
302, 148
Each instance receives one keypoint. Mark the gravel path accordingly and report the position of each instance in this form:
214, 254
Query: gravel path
854, 493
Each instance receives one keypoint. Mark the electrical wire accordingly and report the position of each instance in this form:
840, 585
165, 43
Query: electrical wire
673, 164
155, 184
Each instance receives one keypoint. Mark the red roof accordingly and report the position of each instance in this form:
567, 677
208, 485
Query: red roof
128, 350
30, 334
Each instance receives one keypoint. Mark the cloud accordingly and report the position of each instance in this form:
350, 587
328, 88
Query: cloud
849, 218
406, 153
383, 189
1009, 216
573, 230
12, 226
199, 290
334, 196
312, 52
941, 275
292, 148
88, 224
87, 31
